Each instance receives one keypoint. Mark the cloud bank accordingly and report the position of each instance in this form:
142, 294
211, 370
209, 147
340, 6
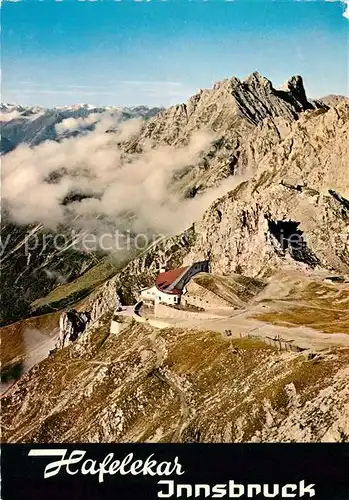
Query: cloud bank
118, 190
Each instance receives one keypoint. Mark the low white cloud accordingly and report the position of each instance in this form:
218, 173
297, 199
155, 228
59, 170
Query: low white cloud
346, 6
127, 190
37, 180
102, 119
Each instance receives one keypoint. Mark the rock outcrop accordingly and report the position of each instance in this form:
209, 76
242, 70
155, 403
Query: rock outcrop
72, 324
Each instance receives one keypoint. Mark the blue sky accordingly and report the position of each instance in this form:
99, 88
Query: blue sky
160, 53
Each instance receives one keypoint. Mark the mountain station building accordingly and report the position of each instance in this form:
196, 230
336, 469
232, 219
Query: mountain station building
170, 285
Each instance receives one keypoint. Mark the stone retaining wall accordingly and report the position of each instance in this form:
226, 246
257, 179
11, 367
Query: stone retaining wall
163, 311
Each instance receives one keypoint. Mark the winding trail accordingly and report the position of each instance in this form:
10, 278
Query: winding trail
185, 409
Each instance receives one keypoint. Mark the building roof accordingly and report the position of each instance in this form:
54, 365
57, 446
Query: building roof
166, 279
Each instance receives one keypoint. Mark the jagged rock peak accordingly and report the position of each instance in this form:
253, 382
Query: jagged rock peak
292, 92
257, 79
294, 83
295, 86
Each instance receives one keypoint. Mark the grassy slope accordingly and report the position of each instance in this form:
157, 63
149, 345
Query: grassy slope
319, 306
127, 388
13, 348
234, 290
72, 292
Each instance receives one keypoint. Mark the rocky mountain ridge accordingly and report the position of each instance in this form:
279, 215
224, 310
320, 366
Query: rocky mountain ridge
246, 118
333, 99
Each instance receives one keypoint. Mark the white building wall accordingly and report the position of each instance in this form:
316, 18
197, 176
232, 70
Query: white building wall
116, 327
157, 296
149, 293
168, 298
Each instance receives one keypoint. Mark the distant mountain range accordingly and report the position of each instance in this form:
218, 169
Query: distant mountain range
33, 125
333, 99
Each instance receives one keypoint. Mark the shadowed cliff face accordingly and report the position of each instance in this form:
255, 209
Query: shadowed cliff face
170, 385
